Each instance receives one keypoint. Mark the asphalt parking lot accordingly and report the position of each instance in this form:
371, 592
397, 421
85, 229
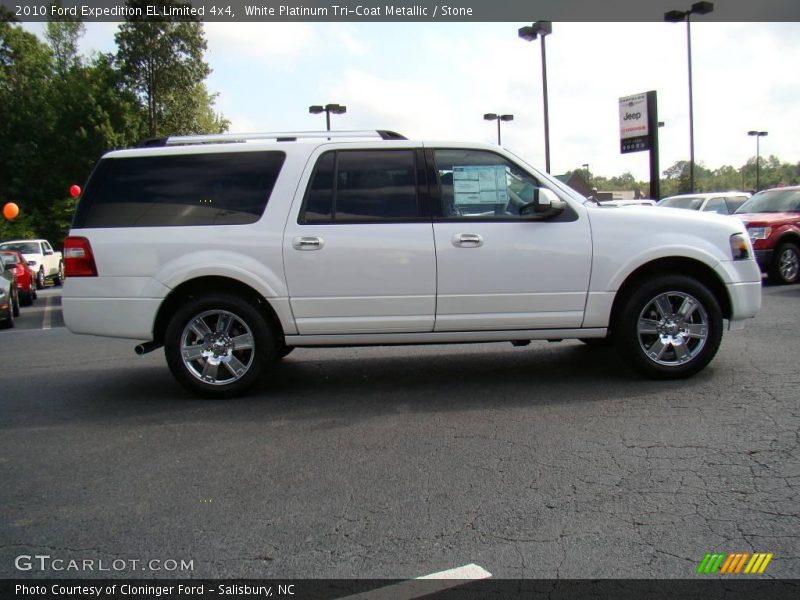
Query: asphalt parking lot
552, 460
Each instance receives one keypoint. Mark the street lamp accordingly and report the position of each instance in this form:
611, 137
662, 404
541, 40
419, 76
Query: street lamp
758, 135
530, 33
498, 118
586, 167
676, 16
336, 109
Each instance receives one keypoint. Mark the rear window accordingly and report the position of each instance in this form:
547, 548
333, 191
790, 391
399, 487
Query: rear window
230, 188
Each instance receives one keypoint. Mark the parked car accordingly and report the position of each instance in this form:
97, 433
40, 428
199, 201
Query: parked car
724, 203
40, 255
772, 218
274, 241
9, 297
26, 279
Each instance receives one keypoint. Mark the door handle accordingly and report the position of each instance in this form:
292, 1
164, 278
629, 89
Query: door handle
308, 243
467, 240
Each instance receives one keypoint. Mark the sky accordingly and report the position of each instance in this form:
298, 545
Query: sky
434, 81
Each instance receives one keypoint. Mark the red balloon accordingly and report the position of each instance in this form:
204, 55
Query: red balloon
74, 191
10, 211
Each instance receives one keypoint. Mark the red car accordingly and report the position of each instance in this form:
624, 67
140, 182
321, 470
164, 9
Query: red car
26, 280
772, 218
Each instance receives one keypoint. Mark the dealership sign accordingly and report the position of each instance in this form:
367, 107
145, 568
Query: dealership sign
634, 134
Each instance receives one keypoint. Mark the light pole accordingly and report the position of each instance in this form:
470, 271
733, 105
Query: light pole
530, 33
758, 135
588, 176
676, 16
336, 109
498, 118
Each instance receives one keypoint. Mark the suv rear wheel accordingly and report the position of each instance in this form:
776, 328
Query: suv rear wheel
669, 327
785, 266
218, 345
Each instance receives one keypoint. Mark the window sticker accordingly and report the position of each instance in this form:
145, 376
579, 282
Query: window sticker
479, 185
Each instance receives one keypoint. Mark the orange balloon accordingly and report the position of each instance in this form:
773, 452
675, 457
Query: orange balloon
10, 211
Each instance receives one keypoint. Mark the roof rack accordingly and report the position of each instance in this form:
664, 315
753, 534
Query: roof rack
286, 136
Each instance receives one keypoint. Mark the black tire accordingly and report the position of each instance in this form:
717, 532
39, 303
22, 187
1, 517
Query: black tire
597, 342
40, 279
698, 333
250, 362
9, 322
58, 279
26, 298
785, 267
15, 302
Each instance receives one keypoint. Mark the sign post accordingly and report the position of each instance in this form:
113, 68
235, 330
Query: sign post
638, 131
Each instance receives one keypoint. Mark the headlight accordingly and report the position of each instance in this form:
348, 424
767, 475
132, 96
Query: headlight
740, 247
759, 233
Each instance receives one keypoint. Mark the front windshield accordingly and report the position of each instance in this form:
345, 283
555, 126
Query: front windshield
24, 247
690, 202
772, 201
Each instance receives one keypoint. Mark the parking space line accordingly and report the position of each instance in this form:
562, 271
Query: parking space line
435, 582
48, 313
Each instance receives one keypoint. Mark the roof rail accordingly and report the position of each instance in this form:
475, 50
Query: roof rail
285, 136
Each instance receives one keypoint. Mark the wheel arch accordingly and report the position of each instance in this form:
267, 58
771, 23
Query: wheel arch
678, 266
199, 286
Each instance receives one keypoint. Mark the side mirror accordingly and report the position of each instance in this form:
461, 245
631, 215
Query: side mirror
48, 252
545, 205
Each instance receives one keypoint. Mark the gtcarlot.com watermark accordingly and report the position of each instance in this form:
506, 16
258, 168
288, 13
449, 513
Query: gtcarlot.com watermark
48, 563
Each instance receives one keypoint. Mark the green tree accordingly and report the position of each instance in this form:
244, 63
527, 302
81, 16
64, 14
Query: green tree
162, 62
63, 38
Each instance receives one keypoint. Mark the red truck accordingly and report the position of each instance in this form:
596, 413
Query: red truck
772, 218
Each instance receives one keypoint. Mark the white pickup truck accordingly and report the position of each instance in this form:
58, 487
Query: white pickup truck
45, 262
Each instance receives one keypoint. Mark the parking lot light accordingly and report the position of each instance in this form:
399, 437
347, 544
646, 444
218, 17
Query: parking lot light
676, 16
529, 33
498, 118
758, 135
336, 109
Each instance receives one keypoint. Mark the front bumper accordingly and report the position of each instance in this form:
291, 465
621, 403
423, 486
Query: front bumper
764, 258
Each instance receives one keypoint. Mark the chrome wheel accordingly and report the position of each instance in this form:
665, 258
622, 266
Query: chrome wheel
672, 328
217, 347
789, 264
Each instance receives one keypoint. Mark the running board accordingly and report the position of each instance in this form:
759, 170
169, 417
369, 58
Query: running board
441, 337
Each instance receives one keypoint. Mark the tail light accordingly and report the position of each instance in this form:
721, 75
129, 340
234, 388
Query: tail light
78, 258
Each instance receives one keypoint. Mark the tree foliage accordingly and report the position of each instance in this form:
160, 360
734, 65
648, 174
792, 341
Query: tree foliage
59, 112
162, 62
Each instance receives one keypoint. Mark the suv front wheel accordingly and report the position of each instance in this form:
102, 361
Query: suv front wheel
218, 345
669, 327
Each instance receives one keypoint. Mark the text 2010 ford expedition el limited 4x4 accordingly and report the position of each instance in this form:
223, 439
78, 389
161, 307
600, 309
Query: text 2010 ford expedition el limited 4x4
231, 250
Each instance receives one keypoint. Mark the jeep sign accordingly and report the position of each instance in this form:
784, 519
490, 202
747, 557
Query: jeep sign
633, 130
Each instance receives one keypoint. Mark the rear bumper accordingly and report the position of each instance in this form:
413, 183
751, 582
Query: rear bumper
130, 318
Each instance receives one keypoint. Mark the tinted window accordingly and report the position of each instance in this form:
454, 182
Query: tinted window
772, 201
480, 184
690, 202
187, 189
734, 202
24, 247
319, 203
363, 185
716, 205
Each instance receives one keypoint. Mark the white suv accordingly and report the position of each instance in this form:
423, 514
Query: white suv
231, 250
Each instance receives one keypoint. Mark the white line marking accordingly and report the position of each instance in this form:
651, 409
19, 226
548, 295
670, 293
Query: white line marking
48, 313
415, 588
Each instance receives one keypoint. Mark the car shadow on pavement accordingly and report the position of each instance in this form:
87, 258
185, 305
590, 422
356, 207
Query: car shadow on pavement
357, 383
